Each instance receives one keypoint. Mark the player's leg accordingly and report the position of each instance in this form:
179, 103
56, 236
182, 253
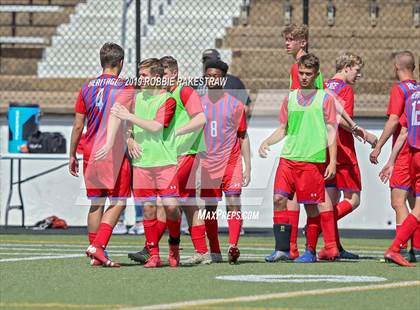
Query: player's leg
109, 220
313, 229
283, 189
187, 168
293, 211
399, 204
94, 218
326, 215
233, 206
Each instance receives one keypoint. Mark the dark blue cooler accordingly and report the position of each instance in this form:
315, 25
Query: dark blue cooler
23, 121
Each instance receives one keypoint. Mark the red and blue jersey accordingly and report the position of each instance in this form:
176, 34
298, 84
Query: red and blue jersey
225, 120
412, 117
95, 101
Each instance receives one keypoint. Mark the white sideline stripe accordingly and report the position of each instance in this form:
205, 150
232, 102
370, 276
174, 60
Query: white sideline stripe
4, 260
284, 295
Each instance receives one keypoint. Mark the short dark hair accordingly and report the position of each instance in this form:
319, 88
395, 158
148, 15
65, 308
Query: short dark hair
169, 62
216, 64
154, 65
309, 61
111, 55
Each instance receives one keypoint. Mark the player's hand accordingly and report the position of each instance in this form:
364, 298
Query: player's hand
386, 172
246, 177
120, 111
360, 133
371, 139
330, 172
264, 149
133, 148
373, 157
74, 166
102, 152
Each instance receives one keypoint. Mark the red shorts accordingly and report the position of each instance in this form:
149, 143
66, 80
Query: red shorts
212, 187
415, 171
400, 177
303, 178
187, 167
105, 179
149, 183
347, 178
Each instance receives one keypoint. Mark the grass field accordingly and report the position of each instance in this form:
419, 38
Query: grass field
51, 272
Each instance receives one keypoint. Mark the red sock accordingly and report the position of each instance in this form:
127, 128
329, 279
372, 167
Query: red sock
405, 231
235, 224
280, 217
397, 229
174, 228
294, 221
344, 207
91, 237
151, 234
337, 233
328, 228
161, 227
416, 238
198, 238
103, 235
313, 227
212, 235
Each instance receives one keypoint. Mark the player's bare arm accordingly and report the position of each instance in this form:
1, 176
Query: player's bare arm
389, 128
386, 171
122, 113
76, 133
332, 149
112, 129
246, 154
275, 138
197, 122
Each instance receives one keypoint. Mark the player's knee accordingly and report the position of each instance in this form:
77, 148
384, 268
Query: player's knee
398, 206
279, 202
355, 202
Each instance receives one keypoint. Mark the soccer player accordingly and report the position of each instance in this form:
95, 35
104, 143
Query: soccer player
154, 172
347, 179
226, 139
308, 120
409, 134
109, 177
399, 182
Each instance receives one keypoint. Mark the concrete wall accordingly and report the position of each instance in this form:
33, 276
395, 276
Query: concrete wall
60, 194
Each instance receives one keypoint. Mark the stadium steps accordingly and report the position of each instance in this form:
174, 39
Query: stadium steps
38, 18
324, 37
34, 83
43, 2
50, 102
28, 31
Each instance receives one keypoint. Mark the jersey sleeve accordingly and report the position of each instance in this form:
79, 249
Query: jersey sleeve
242, 125
191, 101
330, 112
403, 120
396, 101
166, 112
80, 106
347, 96
283, 115
127, 97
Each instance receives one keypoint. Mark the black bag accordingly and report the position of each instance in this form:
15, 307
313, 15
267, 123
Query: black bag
46, 142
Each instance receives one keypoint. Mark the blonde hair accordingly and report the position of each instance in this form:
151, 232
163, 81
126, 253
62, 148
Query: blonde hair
405, 59
300, 32
348, 60
154, 65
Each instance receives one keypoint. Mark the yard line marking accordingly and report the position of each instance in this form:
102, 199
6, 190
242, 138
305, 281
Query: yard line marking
283, 295
58, 305
4, 260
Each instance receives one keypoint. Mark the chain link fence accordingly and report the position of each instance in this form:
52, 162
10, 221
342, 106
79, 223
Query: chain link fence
49, 48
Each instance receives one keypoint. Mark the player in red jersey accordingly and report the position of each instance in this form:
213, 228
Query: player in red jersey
409, 134
347, 179
399, 182
109, 177
308, 121
226, 139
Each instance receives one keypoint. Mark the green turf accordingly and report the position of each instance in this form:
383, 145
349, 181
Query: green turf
72, 283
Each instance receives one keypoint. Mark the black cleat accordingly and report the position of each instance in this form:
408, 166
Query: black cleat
140, 257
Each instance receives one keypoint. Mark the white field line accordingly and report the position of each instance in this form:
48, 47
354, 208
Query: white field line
283, 295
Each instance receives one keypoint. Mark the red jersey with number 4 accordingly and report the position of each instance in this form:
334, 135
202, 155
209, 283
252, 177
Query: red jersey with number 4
225, 120
346, 153
95, 101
